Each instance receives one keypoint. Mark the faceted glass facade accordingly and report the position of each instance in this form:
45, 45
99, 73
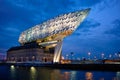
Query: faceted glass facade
43, 42
54, 29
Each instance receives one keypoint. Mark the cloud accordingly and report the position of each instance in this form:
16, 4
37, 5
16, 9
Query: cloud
115, 30
88, 24
86, 27
34, 12
86, 3
2, 50
9, 34
19, 15
94, 39
105, 4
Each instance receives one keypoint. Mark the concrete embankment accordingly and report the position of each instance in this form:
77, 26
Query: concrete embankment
103, 67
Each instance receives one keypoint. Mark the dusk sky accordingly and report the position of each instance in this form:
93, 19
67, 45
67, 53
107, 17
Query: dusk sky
99, 32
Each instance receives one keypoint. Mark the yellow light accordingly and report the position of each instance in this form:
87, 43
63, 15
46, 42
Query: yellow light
12, 66
32, 68
33, 72
89, 76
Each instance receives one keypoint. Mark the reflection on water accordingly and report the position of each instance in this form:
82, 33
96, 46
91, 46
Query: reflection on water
118, 76
33, 73
89, 76
73, 75
66, 75
55, 75
58, 75
12, 69
41, 73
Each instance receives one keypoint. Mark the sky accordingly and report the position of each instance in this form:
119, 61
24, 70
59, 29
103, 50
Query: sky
99, 32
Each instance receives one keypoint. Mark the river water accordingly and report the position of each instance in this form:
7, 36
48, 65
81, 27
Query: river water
41, 73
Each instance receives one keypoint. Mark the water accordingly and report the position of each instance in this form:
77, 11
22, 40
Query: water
41, 73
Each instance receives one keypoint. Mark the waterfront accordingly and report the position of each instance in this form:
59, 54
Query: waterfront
12, 72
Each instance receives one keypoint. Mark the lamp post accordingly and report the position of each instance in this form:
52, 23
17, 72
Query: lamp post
89, 55
95, 58
115, 55
102, 55
66, 56
119, 56
110, 56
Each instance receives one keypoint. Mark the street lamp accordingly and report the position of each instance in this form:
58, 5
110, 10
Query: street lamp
71, 55
115, 56
66, 56
119, 56
102, 55
110, 56
95, 58
89, 55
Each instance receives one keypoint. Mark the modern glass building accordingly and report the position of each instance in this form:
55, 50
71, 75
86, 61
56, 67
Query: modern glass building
50, 34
